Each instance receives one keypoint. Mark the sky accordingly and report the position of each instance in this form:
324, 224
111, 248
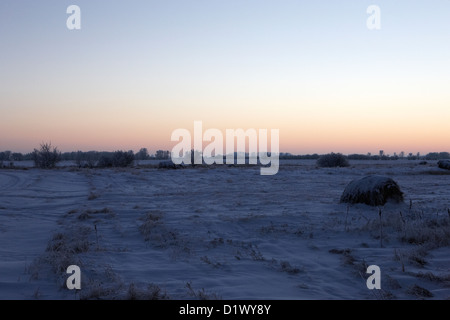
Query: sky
138, 70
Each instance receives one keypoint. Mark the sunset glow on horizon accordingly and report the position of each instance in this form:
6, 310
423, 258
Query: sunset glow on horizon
136, 72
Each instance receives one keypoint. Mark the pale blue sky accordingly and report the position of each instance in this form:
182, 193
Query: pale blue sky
148, 67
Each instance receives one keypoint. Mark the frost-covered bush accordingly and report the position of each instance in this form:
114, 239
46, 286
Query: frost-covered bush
46, 157
332, 160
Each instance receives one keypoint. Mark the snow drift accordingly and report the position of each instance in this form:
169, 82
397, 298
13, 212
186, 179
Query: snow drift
373, 191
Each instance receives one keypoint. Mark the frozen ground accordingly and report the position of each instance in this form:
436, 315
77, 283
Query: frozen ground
222, 233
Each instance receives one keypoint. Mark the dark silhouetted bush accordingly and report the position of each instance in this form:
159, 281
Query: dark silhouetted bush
122, 158
46, 157
104, 162
117, 159
332, 160
85, 159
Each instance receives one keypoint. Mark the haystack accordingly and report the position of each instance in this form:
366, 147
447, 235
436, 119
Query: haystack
167, 165
373, 191
444, 164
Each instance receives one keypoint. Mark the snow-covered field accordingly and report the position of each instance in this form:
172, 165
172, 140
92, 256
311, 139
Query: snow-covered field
222, 233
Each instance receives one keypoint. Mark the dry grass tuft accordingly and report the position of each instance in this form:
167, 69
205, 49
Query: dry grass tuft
419, 292
201, 294
151, 292
63, 248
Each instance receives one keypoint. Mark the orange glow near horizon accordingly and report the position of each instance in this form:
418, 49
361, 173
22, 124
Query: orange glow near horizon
307, 124
301, 135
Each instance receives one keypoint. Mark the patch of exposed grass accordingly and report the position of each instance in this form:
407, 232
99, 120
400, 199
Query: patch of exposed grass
93, 196
445, 279
201, 294
419, 292
434, 233
151, 292
285, 266
432, 172
63, 249
88, 214
206, 260
154, 230
97, 290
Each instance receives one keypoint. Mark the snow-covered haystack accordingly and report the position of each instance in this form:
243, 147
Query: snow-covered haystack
169, 165
373, 191
444, 164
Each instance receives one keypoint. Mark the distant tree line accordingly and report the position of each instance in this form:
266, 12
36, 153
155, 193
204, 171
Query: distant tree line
47, 156
381, 156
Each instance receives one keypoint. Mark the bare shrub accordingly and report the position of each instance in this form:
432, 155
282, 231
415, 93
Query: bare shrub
333, 160
46, 157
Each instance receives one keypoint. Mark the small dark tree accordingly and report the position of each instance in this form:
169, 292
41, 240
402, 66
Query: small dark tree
162, 155
333, 160
46, 157
116, 159
16, 156
122, 158
142, 154
7, 156
444, 155
85, 159
105, 162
